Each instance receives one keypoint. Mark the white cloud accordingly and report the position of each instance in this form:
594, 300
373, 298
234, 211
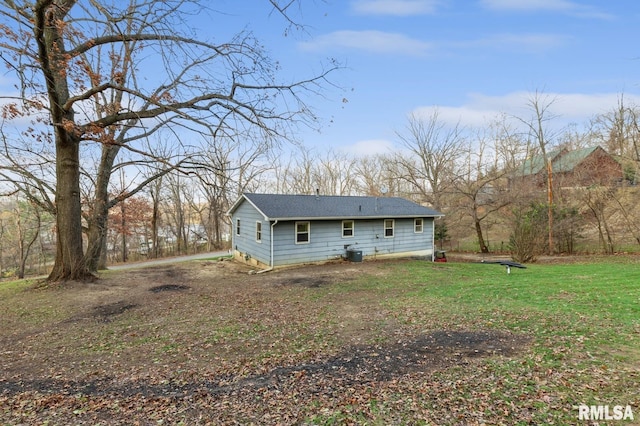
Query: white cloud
369, 41
464, 115
560, 6
395, 7
380, 42
566, 108
368, 147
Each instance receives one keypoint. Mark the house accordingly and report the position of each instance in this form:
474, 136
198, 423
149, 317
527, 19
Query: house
580, 167
272, 230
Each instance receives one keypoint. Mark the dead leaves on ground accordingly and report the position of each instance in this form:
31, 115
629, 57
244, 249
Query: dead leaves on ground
290, 349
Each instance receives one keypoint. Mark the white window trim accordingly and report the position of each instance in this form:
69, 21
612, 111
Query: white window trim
415, 221
308, 232
258, 224
393, 228
237, 226
353, 228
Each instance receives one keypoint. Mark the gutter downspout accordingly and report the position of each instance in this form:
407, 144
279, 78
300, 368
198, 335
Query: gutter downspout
271, 260
433, 239
272, 226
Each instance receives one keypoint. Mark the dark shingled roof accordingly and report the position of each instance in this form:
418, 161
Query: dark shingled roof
289, 207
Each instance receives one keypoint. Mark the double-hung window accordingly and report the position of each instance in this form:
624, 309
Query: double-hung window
347, 228
388, 228
418, 225
303, 232
237, 226
258, 231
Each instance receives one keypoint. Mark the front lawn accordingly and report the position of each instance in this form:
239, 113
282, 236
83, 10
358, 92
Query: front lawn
393, 342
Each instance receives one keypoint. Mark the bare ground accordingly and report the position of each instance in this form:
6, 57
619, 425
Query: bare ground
209, 343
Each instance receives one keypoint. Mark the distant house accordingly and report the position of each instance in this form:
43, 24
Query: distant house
581, 167
271, 230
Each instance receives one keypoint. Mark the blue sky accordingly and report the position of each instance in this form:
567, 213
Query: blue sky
470, 59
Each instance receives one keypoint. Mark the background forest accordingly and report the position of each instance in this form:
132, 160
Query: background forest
477, 177
128, 134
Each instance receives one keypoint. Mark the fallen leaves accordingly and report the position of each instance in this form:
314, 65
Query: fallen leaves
279, 349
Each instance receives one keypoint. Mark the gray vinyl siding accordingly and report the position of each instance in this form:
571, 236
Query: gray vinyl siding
326, 241
246, 242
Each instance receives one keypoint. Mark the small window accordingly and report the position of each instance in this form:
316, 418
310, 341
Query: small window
259, 231
302, 232
388, 228
347, 228
237, 226
418, 226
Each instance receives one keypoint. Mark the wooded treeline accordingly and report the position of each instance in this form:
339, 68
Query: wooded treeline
476, 177
129, 135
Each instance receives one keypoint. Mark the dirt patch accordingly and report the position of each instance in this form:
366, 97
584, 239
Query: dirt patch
354, 366
369, 363
105, 312
168, 287
313, 276
309, 282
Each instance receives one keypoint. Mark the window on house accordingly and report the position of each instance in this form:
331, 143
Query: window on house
388, 228
303, 230
237, 226
347, 228
259, 231
418, 226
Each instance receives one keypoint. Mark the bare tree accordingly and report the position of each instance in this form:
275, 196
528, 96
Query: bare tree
432, 150
297, 176
233, 165
28, 223
21, 222
510, 148
378, 175
307, 171
539, 105
619, 131
74, 58
156, 197
597, 200
626, 201
481, 184
176, 211
336, 173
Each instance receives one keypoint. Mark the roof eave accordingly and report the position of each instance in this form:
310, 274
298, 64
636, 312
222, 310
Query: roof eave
300, 218
239, 201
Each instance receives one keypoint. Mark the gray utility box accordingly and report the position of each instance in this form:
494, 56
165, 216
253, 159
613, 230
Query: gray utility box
354, 255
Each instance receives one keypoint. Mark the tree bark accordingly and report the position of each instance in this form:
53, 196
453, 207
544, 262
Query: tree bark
69, 263
481, 241
95, 257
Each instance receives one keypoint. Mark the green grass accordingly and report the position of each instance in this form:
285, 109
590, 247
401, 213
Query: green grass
597, 303
584, 320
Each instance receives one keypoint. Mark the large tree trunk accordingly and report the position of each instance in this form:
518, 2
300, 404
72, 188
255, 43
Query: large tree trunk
96, 237
97, 223
69, 263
